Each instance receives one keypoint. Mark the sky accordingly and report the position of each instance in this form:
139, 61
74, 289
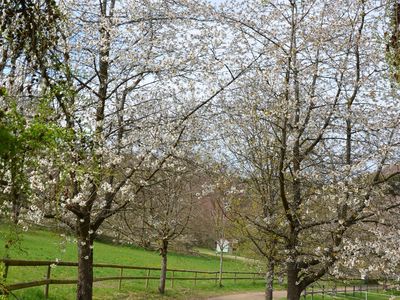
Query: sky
216, 1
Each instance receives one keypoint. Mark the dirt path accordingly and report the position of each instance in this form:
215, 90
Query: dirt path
232, 257
250, 296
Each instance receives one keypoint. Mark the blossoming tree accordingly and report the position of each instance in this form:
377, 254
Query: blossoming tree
327, 115
131, 77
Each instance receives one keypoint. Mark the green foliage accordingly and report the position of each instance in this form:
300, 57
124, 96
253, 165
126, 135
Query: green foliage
3, 91
26, 134
12, 240
6, 137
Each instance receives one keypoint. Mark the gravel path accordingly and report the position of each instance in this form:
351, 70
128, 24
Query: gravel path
249, 296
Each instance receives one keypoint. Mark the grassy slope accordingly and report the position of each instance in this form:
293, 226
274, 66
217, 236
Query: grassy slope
42, 245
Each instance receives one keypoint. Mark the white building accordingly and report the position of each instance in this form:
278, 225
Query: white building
222, 245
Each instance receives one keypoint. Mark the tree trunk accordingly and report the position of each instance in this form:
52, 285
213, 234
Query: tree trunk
269, 278
293, 289
221, 264
16, 208
163, 275
15, 193
85, 261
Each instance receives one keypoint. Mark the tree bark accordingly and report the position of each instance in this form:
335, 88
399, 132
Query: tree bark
15, 192
16, 209
163, 275
269, 278
221, 264
85, 261
293, 289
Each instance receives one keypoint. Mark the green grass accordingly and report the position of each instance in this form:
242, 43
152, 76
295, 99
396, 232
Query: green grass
44, 245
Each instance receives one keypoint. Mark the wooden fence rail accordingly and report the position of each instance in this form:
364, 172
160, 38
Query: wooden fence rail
212, 275
347, 290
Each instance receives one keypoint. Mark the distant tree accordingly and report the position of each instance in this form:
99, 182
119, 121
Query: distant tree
220, 190
169, 206
222, 244
257, 212
163, 209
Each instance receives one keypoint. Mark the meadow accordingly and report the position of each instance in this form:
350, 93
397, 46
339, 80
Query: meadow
47, 245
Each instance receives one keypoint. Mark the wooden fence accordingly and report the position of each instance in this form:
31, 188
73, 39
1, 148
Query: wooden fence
196, 275
347, 290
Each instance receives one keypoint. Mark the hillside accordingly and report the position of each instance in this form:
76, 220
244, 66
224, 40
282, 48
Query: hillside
45, 245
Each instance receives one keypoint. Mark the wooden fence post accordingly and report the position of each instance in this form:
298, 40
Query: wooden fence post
5, 271
120, 280
47, 286
195, 278
312, 293
4, 291
254, 278
323, 292
354, 290
216, 277
172, 279
147, 279
235, 277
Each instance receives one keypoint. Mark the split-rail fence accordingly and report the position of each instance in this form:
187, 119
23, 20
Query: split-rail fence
173, 275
